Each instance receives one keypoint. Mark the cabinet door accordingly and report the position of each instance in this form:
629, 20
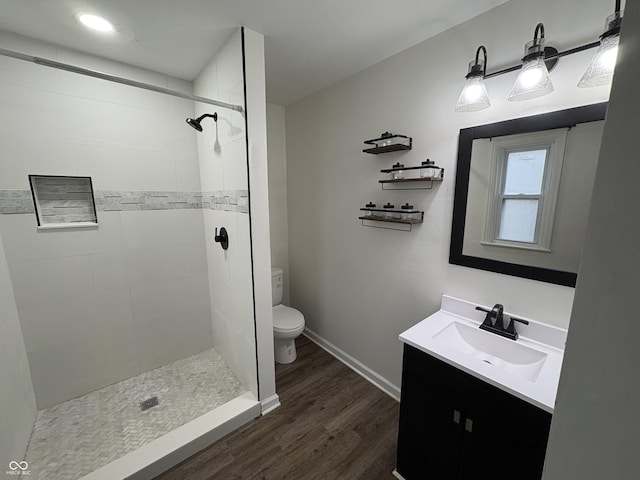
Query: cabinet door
508, 436
430, 429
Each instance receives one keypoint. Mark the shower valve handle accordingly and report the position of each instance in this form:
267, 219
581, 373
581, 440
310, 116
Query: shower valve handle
223, 238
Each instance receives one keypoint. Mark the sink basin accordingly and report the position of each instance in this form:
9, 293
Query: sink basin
508, 355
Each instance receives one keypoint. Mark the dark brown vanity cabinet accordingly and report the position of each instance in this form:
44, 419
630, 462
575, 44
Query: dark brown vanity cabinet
455, 426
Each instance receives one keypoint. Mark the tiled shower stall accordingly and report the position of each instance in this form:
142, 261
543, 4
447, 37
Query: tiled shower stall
145, 295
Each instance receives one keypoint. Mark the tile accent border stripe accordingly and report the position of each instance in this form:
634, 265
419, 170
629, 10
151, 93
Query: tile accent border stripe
21, 202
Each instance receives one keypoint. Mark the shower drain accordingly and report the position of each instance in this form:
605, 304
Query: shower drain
148, 403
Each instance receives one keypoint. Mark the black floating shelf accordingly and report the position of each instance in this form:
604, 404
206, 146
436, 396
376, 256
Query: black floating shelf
418, 183
387, 148
388, 142
403, 168
405, 180
378, 221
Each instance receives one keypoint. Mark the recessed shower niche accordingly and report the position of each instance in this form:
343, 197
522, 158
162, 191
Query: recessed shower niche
63, 201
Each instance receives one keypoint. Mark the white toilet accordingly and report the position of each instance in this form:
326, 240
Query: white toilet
288, 323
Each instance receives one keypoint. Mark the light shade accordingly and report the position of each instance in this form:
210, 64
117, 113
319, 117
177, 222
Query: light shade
533, 80
600, 70
474, 96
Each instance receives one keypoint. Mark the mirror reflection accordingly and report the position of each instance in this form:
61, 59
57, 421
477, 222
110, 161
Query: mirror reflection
523, 191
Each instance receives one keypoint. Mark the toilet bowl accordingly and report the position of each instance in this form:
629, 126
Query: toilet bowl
288, 323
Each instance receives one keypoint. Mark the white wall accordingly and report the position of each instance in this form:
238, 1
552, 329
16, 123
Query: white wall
100, 305
594, 433
278, 222
360, 287
17, 401
223, 167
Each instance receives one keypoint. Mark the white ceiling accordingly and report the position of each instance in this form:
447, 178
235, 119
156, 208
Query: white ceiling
309, 44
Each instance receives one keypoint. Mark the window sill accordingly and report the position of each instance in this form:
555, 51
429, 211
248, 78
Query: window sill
535, 248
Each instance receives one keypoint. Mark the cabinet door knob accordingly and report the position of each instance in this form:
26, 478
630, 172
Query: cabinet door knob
456, 416
468, 425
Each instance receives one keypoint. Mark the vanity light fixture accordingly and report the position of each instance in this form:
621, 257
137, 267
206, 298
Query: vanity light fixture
474, 95
533, 80
600, 70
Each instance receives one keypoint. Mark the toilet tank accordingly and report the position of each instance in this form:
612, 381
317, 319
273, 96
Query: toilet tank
276, 286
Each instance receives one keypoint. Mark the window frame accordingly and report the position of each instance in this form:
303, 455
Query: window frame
554, 142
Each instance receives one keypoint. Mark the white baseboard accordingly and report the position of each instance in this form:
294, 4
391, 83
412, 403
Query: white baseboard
397, 475
270, 404
361, 369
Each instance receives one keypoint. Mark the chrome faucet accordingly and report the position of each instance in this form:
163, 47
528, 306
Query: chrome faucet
494, 322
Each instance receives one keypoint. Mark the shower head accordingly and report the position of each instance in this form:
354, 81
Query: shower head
195, 123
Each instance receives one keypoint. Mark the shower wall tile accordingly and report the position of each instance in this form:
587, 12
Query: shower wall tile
16, 201
58, 321
116, 167
16, 391
231, 123
66, 370
40, 281
211, 170
27, 243
234, 167
188, 174
21, 201
21, 157
167, 298
109, 271
229, 64
195, 259
154, 264
142, 229
223, 173
170, 340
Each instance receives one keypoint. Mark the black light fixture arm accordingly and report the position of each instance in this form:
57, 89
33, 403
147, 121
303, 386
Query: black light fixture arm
476, 69
552, 54
538, 32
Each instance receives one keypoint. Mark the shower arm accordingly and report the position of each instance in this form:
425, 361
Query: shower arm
113, 78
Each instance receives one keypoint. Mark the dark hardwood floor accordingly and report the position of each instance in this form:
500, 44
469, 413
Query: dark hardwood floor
332, 424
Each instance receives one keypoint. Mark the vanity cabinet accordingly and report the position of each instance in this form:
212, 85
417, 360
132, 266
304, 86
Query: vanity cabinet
455, 426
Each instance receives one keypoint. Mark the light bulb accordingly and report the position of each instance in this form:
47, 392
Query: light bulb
95, 22
474, 96
533, 81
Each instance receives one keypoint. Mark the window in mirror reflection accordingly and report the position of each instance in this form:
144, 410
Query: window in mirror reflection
525, 178
521, 195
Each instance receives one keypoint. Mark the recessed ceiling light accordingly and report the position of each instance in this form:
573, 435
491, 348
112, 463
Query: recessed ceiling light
95, 22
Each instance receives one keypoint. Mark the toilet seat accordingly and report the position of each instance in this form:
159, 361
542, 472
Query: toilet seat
287, 320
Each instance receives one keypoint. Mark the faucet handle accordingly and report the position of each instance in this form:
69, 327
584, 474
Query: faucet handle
511, 329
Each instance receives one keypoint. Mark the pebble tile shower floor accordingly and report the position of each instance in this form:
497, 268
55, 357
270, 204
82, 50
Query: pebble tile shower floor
78, 436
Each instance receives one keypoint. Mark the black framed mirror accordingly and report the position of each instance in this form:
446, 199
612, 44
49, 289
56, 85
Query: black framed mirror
484, 204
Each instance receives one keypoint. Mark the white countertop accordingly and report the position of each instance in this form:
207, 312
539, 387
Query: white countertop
537, 336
